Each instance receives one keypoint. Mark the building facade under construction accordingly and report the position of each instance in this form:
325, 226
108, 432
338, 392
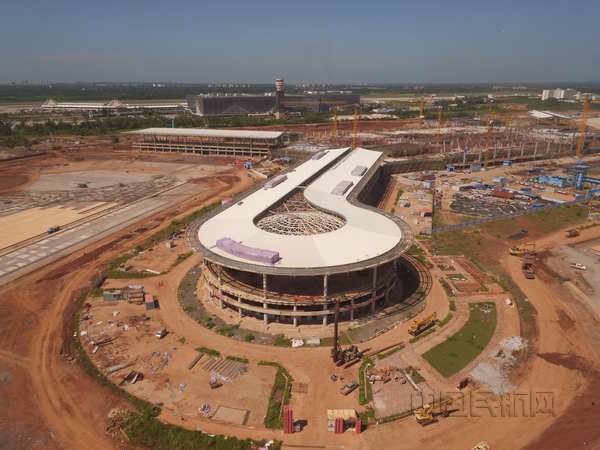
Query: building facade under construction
276, 102
288, 250
239, 143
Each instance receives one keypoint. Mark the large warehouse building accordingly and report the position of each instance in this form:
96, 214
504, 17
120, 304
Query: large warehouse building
243, 104
289, 248
239, 143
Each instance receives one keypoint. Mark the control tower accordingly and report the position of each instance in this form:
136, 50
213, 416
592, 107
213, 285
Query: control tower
279, 98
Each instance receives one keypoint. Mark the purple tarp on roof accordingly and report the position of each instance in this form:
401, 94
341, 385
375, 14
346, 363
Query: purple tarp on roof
318, 156
234, 248
342, 187
359, 171
275, 181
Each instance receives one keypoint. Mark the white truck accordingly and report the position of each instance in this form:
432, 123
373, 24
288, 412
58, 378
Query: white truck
578, 266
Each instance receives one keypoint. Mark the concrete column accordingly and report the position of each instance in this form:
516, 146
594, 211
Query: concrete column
535, 149
522, 149
464, 157
240, 313
387, 293
572, 142
374, 288
479, 154
220, 280
295, 317
220, 303
594, 142
265, 286
325, 288
352, 310
548, 148
265, 315
325, 315
494, 159
508, 156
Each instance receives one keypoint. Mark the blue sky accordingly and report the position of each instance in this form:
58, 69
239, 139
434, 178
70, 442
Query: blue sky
377, 41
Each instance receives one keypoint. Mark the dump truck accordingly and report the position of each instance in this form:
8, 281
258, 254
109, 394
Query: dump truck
522, 250
427, 414
527, 269
418, 327
573, 232
53, 229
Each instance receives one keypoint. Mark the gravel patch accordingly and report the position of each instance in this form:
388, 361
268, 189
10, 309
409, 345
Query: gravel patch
513, 343
493, 377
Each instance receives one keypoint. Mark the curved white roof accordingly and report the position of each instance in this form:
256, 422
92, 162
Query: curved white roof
366, 234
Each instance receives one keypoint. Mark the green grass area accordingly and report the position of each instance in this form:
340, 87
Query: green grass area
445, 320
183, 258
452, 305
464, 346
364, 397
398, 194
421, 336
238, 359
208, 351
416, 376
144, 430
456, 277
228, 330
96, 292
381, 356
282, 341
343, 339
447, 288
280, 393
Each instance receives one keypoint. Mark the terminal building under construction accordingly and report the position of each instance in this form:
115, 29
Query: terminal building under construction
278, 102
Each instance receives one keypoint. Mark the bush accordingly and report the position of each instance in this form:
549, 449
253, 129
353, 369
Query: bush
452, 305
249, 337
208, 351
238, 359
445, 320
281, 341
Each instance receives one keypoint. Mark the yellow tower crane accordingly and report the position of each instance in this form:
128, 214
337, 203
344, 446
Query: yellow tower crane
510, 108
335, 116
586, 110
439, 124
355, 126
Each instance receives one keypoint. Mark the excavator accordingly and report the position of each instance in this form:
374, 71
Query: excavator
521, 250
417, 327
428, 413
573, 232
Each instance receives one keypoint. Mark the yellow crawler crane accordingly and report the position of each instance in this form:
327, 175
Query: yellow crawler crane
521, 250
427, 414
417, 327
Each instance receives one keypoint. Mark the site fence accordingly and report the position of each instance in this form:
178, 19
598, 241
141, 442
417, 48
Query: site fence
505, 216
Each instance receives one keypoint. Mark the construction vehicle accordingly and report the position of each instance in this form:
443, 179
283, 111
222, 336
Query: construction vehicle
573, 232
521, 250
578, 266
527, 269
482, 446
215, 384
418, 327
428, 413
339, 355
53, 229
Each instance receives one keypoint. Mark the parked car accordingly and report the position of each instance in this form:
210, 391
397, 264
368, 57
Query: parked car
578, 266
350, 386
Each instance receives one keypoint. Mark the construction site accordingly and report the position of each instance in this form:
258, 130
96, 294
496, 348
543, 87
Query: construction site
371, 283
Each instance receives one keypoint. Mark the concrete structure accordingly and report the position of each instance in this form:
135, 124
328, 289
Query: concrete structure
278, 103
290, 252
113, 105
207, 142
560, 94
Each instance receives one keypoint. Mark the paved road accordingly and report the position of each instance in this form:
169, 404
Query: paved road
33, 256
